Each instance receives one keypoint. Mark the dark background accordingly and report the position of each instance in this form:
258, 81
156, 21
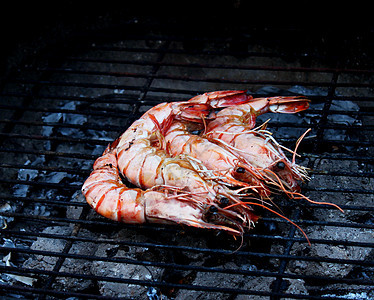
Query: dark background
338, 29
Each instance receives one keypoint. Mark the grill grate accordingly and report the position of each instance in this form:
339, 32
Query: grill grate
60, 110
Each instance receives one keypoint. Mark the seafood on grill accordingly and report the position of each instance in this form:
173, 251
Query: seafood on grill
110, 197
144, 159
224, 165
258, 158
208, 180
233, 127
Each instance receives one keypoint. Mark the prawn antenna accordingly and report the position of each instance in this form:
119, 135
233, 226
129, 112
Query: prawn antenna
298, 143
274, 212
160, 132
262, 126
301, 196
240, 246
204, 123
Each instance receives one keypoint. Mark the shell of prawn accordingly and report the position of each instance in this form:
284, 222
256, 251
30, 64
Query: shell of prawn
106, 193
144, 163
225, 165
233, 127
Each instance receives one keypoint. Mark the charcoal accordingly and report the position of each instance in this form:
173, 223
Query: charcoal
219, 280
344, 291
296, 286
123, 270
74, 266
332, 251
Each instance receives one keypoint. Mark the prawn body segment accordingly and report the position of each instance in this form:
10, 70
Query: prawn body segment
220, 99
109, 197
146, 166
246, 114
105, 192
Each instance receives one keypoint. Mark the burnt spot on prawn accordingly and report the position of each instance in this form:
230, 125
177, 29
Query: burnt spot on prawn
130, 144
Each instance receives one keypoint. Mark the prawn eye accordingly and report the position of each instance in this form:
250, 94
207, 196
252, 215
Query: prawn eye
213, 209
281, 165
224, 201
240, 170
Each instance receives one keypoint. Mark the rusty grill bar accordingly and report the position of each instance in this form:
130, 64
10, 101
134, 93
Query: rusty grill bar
59, 111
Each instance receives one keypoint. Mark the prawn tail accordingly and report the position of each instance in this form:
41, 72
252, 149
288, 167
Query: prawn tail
219, 99
288, 104
194, 112
164, 126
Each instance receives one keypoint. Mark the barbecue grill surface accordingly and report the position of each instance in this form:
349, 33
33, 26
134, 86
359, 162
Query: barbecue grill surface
63, 103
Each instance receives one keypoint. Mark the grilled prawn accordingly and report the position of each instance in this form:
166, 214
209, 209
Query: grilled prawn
224, 165
233, 127
106, 193
143, 158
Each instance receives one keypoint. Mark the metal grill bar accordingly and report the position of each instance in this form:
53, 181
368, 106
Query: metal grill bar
214, 80
24, 290
74, 187
56, 273
129, 99
8, 232
109, 86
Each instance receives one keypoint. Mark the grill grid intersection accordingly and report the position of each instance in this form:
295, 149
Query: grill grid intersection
107, 80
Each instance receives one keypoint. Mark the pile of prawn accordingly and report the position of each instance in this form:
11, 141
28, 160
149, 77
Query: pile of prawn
200, 163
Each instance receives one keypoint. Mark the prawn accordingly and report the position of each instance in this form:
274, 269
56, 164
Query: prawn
231, 169
233, 127
111, 198
144, 160
142, 156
